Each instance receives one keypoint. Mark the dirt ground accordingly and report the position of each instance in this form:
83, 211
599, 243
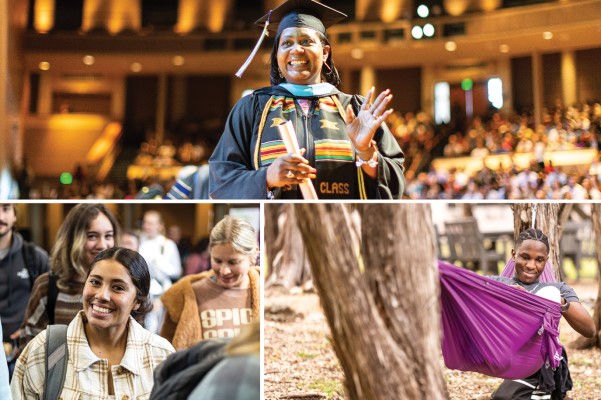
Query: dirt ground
300, 362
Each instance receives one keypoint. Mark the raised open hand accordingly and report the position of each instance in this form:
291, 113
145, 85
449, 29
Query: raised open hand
362, 127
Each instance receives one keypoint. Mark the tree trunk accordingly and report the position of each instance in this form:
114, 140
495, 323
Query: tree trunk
271, 234
289, 263
550, 218
385, 318
582, 342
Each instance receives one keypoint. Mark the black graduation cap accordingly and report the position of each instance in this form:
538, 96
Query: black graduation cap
294, 13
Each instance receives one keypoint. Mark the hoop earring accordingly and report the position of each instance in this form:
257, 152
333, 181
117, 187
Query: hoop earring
327, 66
280, 73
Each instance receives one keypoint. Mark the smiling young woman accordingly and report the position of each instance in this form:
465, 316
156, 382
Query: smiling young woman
216, 303
56, 297
110, 353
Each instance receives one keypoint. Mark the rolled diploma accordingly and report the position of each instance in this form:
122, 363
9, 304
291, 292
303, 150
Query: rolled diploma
289, 137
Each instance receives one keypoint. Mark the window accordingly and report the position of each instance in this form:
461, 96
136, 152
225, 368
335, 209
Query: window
495, 92
442, 103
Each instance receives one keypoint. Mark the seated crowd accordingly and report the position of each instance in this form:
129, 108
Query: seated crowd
562, 130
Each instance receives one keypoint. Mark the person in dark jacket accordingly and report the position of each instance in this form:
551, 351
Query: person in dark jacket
213, 370
21, 263
346, 149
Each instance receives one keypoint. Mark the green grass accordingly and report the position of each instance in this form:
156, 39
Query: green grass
328, 387
305, 355
588, 268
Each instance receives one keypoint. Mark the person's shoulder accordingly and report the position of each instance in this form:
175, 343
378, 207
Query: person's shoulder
146, 339
499, 278
35, 348
356, 100
200, 279
39, 250
256, 96
41, 282
160, 344
562, 286
266, 91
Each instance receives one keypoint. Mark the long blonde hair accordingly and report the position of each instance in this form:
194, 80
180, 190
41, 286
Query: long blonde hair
67, 258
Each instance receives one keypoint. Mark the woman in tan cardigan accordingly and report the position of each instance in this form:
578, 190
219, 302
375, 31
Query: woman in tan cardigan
218, 302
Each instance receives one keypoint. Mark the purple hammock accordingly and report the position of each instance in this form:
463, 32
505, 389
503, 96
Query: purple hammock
495, 329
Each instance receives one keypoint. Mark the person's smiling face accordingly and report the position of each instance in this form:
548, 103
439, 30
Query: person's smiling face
301, 55
230, 267
99, 236
109, 296
8, 218
530, 259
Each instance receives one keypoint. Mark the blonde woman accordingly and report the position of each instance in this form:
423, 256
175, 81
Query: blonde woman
218, 302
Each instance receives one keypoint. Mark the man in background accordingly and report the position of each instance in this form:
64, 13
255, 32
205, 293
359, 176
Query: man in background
164, 263
21, 262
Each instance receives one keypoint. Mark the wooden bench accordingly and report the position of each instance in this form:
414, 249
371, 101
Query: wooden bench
577, 243
466, 245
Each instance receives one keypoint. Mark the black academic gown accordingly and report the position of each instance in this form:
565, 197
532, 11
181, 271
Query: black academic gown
251, 142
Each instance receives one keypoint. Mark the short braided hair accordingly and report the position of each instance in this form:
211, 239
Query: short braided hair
532, 234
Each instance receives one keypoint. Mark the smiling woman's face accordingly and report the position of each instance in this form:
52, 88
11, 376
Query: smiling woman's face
301, 56
109, 296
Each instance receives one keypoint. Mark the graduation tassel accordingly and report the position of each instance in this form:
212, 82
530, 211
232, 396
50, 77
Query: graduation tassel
255, 50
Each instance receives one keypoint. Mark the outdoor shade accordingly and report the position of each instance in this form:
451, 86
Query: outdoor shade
495, 329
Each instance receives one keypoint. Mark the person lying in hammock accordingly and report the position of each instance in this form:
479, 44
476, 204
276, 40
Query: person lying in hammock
530, 256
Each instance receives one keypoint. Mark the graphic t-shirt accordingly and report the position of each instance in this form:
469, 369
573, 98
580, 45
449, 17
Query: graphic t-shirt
222, 311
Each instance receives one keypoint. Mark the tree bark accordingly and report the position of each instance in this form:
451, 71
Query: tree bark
288, 260
550, 218
582, 342
382, 306
271, 234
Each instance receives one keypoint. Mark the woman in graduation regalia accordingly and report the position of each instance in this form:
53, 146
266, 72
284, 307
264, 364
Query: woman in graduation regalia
347, 150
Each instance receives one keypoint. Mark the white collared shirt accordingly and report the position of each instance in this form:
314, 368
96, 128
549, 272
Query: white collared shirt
132, 378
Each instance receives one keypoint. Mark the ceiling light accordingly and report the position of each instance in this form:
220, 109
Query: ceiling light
547, 35
178, 61
89, 60
429, 30
423, 11
450, 46
504, 48
44, 65
136, 67
417, 32
357, 53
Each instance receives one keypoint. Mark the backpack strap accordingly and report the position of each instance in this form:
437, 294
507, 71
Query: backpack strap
57, 355
51, 298
28, 250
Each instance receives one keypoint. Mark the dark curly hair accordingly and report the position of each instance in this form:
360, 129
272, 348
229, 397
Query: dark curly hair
330, 76
137, 268
532, 234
